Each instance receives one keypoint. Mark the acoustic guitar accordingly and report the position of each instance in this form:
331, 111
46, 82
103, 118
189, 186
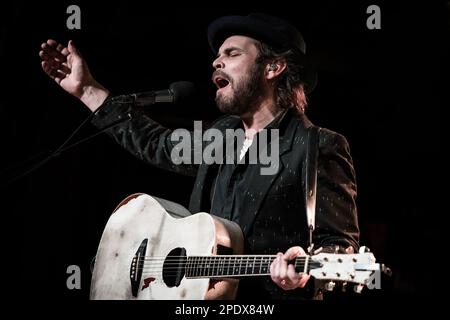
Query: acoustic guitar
155, 249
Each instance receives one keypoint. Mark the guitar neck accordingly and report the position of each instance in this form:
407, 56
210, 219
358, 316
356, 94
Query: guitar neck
226, 266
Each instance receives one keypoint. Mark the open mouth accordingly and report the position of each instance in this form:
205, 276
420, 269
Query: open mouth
220, 82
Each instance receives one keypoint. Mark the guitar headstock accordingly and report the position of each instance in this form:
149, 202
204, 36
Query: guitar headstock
357, 268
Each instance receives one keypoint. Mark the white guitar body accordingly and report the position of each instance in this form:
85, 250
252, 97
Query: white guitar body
154, 249
142, 217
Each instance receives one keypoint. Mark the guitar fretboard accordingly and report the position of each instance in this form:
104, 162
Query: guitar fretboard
237, 266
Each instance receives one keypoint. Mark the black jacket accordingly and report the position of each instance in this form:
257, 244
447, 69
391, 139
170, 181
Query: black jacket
274, 215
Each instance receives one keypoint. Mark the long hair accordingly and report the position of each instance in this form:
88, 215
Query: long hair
289, 85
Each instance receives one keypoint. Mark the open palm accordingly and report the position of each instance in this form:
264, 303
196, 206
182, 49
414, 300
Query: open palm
66, 66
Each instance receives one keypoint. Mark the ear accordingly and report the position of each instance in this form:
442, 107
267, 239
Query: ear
275, 68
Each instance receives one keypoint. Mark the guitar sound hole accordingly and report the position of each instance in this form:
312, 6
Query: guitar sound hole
174, 267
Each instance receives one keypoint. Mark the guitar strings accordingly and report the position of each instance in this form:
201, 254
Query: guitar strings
228, 266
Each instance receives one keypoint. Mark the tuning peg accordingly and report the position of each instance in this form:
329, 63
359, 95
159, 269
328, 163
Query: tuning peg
386, 270
318, 251
329, 286
364, 249
359, 288
344, 286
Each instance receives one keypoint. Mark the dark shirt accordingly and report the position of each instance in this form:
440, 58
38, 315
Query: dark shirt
229, 187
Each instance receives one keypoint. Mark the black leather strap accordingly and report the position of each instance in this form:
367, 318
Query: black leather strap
312, 150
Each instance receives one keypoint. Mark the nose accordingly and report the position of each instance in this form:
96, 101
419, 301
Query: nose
218, 63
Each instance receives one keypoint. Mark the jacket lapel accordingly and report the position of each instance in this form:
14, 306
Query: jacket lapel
259, 184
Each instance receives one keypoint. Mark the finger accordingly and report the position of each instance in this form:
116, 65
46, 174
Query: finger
293, 252
292, 275
51, 48
72, 49
283, 267
64, 68
53, 63
275, 269
53, 53
50, 60
45, 57
303, 280
59, 47
272, 268
58, 74
63, 50
54, 73
350, 250
47, 69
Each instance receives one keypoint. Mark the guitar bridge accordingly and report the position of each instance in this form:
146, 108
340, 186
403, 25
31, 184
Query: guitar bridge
137, 264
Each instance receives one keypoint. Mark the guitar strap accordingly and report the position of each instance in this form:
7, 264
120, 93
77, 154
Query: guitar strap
312, 150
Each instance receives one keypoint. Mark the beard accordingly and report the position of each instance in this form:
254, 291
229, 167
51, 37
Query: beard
246, 92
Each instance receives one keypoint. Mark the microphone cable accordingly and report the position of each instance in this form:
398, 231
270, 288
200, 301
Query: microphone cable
63, 147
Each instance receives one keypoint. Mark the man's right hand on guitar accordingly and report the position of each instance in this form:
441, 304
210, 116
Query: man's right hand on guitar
66, 66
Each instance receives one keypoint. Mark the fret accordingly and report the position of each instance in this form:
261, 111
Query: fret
212, 266
224, 265
253, 265
246, 261
261, 264
217, 266
191, 267
228, 262
236, 269
203, 269
188, 266
264, 269
203, 264
240, 266
209, 267
197, 268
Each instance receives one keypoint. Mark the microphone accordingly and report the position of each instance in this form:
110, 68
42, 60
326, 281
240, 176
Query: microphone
177, 92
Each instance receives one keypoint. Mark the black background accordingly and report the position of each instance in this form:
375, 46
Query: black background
383, 89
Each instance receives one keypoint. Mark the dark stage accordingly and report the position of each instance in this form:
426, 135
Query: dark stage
383, 89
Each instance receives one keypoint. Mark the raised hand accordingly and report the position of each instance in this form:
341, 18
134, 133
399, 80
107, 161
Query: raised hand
66, 66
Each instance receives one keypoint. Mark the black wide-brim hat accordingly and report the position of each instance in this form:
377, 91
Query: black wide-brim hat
273, 31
